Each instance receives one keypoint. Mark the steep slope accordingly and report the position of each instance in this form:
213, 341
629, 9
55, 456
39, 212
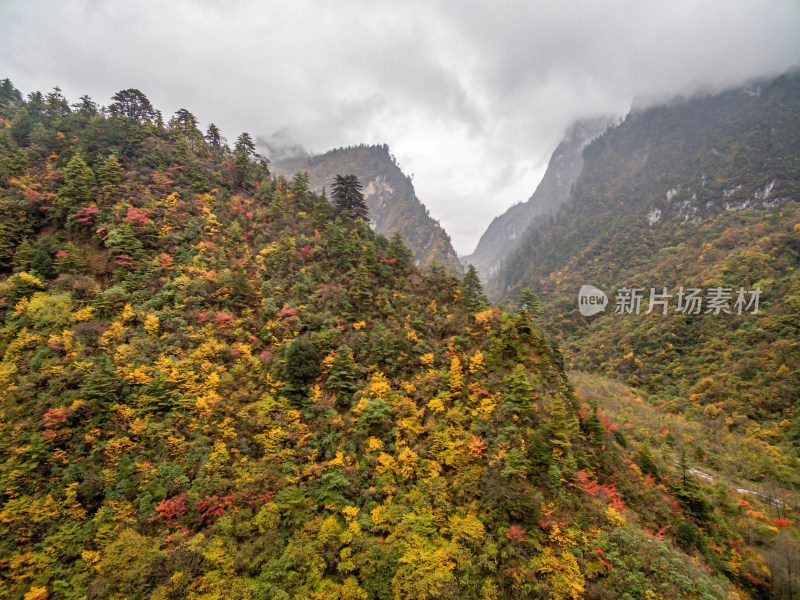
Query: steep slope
698, 194
506, 232
393, 204
215, 385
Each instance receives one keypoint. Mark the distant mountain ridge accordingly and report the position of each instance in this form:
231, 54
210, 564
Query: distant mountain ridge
506, 231
703, 193
390, 196
678, 163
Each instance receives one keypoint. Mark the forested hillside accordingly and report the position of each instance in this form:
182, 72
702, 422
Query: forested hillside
702, 194
389, 193
216, 385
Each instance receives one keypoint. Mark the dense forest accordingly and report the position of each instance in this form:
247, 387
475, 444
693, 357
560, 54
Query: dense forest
215, 384
700, 193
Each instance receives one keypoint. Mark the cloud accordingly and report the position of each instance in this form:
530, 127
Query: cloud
471, 96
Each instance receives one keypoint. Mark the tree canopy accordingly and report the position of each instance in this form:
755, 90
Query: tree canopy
348, 197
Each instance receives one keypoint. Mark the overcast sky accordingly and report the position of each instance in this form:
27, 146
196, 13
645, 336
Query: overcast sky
472, 97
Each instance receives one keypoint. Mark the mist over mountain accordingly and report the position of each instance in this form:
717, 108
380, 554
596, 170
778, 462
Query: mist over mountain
683, 162
700, 193
507, 231
219, 380
218, 384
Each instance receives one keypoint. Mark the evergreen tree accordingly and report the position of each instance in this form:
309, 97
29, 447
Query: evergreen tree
184, 124
67, 260
214, 139
42, 263
122, 241
360, 290
348, 197
519, 393
648, 465
689, 492
9, 96
109, 176
558, 430
13, 164
101, 384
529, 301
301, 366
23, 256
342, 378
79, 180
299, 185
57, 105
134, 105
398, 249
79, 184
243, 152
86, 107
594, 427
473, 290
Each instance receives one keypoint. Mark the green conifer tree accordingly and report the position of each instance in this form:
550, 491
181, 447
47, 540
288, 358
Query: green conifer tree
343, 375
79, 182
300, 368
348, 197
109, 177
23, 256
473, 289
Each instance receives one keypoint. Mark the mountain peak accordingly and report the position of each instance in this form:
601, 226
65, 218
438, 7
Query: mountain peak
390, 196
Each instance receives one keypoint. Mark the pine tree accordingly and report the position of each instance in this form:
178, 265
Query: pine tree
558, 430
301, 366
184, 124
101, 384
134, 105
594, 427
57, 105
688, 492
67, 260
648, 465
42, 263
244, 150
398, 249
360, 289
23, 256
529, 301
519, 393
348, 197
342, 377
299, 185
473, 289
86, 107
214, 139
79, 180
122, 241
109, 176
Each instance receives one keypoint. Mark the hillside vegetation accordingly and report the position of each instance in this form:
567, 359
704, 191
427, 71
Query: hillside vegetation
701, 193
216, 385
390, 196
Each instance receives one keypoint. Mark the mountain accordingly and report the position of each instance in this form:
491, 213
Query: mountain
392, 202
217, 385
506, 232
699, 193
